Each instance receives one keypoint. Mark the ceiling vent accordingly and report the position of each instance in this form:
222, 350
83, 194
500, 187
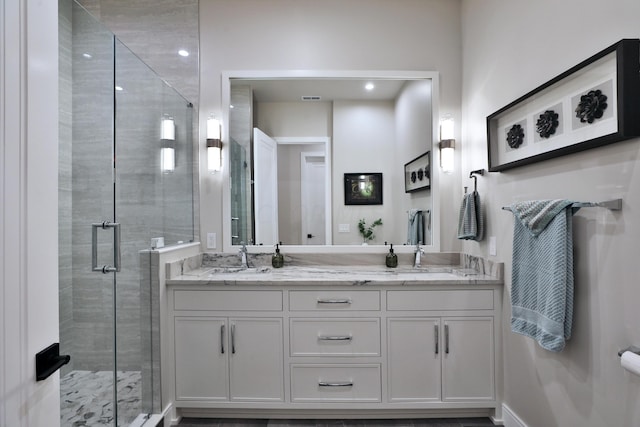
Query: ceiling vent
311, 98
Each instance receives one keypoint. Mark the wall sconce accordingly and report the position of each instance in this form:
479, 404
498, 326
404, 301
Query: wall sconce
447, 144
214, 145
167, 150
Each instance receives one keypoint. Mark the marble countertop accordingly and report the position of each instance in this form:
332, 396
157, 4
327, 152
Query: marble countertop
334, 275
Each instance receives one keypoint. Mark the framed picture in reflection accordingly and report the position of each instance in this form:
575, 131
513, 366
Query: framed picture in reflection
417, 173
363, 188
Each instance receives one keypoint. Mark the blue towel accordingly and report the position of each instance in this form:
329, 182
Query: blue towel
471, 218
542, 276
415, 229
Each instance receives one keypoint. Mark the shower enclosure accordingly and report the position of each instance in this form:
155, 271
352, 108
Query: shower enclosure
125, 177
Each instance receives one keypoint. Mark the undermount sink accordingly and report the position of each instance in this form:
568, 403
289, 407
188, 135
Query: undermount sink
239, 270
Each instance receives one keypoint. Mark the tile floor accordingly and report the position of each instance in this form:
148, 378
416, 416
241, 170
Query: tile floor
87, 396
432, 422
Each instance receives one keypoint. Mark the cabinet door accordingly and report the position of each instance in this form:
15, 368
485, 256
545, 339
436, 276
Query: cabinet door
256, 359
468, 359
414, 359
201, 359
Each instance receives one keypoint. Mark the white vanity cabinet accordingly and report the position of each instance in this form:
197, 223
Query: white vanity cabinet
444, 357
232, 358
302, 349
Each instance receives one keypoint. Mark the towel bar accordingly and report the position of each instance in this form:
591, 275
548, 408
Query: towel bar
613, 205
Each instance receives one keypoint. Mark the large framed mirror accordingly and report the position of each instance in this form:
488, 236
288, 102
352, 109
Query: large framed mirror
292, 137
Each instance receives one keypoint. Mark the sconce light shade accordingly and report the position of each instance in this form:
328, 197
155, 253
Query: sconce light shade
446, 155
214, 145
167, 159
168, 130
167, 148
447, 144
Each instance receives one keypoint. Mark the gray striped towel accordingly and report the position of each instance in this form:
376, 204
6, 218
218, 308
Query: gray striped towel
471, 218
542, 273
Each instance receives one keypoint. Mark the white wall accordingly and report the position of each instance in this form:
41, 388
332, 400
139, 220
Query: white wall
363, 142
509, 48
419, 35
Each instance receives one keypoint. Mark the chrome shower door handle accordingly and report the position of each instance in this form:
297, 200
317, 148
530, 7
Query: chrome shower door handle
116, 247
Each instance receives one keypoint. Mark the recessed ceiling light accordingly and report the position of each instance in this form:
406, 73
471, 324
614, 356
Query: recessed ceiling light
369, 86
119, 88
87, 55
231, 106
183, 52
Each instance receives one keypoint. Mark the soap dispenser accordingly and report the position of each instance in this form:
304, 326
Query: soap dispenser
392, 258
277, 260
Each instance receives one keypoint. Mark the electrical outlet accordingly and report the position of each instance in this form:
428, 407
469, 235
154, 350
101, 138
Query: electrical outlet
211, 241
493, 251
343, 228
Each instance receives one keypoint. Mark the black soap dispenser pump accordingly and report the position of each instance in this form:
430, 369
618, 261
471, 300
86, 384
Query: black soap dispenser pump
392, 258
277, 260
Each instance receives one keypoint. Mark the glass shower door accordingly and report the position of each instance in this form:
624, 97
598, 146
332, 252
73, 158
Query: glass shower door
117, 191
86, 177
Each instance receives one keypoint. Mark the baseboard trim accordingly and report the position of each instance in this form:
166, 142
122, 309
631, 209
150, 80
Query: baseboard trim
510, 419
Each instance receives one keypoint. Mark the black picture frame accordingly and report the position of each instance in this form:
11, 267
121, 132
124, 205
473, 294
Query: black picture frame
417, 173
595, 103
363, 188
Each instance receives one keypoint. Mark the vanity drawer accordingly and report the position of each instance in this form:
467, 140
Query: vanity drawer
227, 300
480, 299
334, 300
335, 337
335, 383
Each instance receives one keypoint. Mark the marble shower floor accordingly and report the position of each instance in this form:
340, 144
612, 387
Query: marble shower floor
86, 398
431, 422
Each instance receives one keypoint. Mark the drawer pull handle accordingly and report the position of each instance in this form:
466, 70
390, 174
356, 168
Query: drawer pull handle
335, 337
446, 338
335, 384
334, 301
222, 339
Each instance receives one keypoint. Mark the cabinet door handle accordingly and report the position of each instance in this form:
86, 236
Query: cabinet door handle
334, 301
222, 339
335, 384
233, 338
436, 333
335, 337
446, 338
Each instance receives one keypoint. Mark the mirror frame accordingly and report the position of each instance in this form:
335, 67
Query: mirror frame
227, 76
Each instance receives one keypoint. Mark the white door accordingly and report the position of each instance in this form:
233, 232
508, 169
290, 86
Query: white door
414, 351
256, 359
468, 359
313, 206
265, 187
29, 206
201, 358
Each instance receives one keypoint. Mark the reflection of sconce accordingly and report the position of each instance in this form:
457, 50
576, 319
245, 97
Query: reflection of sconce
214, 145
167, 150
447, 144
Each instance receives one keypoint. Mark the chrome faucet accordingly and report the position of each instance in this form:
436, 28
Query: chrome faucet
419, 252
243, 255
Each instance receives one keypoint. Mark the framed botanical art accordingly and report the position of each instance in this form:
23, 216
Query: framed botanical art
417, 173
362, 188
597, 102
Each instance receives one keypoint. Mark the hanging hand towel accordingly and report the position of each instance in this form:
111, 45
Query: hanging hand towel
542, 273
415, 230
471, 218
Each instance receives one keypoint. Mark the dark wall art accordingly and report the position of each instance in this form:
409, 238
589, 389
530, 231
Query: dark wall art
597, 102
417, 173
362, 188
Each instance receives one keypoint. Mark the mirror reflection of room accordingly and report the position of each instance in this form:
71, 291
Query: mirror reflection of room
294, 140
